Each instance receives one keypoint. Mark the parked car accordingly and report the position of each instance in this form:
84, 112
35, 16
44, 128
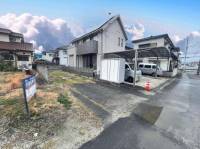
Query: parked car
129, 73
150, 69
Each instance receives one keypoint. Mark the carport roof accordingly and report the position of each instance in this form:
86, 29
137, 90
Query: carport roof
151, 52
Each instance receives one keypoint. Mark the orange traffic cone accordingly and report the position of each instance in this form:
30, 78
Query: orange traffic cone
147, 86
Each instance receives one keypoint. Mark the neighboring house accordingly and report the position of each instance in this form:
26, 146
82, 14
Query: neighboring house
48, 55
61, 56
159, 43
89, 49
14, 49
37, 56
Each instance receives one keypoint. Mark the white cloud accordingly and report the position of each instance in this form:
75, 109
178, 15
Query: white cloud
136, 31
44, 33
193, 44
195, 33
176, 38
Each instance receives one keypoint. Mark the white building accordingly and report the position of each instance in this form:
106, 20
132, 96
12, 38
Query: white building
48, 55
89, 49
62, 55
167, 54
13, 49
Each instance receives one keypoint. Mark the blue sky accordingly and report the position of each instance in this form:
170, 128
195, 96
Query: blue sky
181, 16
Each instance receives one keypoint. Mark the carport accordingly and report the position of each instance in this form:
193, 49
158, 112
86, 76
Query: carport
160, 52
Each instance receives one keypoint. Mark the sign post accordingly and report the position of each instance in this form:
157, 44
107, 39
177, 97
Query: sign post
29, 89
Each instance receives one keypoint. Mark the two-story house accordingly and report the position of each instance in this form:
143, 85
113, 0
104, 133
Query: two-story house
15, 50
167, 54
48, 55
89, 49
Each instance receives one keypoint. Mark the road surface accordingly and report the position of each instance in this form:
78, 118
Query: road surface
177, 127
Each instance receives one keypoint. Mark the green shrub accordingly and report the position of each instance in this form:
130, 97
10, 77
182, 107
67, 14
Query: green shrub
7, 66
64, 99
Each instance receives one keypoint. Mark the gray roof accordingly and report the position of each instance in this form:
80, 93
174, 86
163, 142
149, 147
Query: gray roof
102, 27
7, 31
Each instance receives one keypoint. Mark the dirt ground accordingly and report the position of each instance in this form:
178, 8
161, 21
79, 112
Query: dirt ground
52, 124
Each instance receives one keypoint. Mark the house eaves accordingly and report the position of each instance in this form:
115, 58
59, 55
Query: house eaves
101, 28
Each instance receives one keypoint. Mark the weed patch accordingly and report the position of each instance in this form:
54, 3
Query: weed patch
8, 102
64, 99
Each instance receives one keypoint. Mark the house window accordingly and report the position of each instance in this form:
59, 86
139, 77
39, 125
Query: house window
148, 45
23, 58
119, 41
122, 42
7, 56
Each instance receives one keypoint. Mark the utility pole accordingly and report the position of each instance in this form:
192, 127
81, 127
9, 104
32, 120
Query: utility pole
135, 67
198, 70
186, 50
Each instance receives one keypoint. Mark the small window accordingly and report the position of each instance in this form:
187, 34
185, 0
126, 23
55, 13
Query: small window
154, 67
122, 42
23, 58
118, 41
147, 66
141, 66
7, 56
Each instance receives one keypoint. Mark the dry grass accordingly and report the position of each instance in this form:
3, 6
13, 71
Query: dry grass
61, 77
48, 113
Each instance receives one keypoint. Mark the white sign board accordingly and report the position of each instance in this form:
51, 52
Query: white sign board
29, 85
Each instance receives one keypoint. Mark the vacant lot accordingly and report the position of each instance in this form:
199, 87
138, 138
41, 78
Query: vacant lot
57, 117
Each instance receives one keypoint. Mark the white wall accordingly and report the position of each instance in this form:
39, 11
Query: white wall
164, 64
72, 56
111, 35
160, 43
48, 57
108, 41
63, 57
4, 37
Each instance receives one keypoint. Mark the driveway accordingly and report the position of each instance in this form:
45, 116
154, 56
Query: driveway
178, 126
107, 101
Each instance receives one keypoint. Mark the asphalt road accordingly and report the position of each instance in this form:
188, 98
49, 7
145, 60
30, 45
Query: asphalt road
177, 127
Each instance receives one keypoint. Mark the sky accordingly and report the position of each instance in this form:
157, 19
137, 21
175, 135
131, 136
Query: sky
141, 18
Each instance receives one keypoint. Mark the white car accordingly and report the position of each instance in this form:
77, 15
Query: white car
129, 73
150, 69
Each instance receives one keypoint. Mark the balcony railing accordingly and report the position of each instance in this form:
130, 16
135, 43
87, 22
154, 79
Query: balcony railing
88, 47
16, 46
